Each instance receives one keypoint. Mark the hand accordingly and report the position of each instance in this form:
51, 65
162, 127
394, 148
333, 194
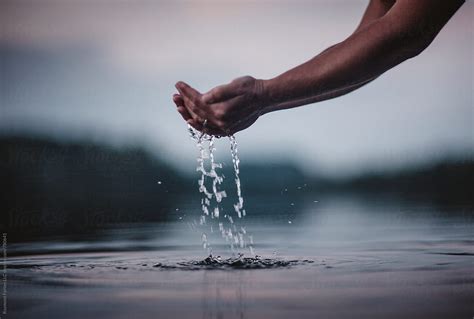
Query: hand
225, 109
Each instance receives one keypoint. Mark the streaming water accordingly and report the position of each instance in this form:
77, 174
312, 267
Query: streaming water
232, 231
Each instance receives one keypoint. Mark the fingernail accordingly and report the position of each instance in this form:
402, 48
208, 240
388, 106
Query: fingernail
179, 85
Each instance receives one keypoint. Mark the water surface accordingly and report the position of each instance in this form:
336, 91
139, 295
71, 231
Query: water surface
329, 257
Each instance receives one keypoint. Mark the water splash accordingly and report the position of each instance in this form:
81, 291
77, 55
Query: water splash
238, 262
236, 236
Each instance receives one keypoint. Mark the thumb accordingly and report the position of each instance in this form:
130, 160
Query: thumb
220, 93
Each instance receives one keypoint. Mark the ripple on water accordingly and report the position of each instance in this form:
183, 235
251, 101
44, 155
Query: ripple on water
240, 262
78, 266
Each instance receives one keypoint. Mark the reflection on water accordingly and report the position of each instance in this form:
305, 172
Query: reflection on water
341, 257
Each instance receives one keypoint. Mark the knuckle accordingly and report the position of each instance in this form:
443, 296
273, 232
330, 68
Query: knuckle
195, 108
219, 115
215, 94
195, 101
199, 100
244, 80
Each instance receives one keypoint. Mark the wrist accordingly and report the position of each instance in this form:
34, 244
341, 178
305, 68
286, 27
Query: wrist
266, 96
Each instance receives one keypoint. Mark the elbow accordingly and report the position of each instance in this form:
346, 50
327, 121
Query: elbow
408, 41
410, 50
415, 44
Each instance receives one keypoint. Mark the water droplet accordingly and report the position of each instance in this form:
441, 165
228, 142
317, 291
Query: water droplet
159, 183
212, 195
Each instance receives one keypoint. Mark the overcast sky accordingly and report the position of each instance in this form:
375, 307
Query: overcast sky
106, 70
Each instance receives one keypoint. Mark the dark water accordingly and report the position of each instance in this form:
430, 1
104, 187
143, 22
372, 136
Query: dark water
340, 257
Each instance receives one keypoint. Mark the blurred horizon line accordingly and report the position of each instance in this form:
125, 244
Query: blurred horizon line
137, 144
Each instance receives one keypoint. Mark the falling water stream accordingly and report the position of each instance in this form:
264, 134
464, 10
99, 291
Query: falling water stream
230, 225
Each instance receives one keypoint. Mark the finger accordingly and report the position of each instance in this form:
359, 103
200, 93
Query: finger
189, 106
191, 100
178, 100
240, 122
188, 92
184, 113
234, 108
220, 93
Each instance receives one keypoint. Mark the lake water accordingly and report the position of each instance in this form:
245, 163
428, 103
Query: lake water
341, 256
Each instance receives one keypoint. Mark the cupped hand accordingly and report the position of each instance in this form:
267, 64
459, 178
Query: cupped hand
225, 109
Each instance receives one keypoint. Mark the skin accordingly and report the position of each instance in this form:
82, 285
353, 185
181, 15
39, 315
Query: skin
389, 33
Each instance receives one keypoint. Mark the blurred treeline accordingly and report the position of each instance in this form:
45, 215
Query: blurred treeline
54, 188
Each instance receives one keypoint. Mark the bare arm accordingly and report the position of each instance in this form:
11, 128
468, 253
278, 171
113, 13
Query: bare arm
375, 10
389, 33
403, 32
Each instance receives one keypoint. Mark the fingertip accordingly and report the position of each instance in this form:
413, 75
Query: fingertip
183, 88
180, 85
178, 99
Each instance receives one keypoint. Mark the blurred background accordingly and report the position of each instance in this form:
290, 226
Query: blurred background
89, 135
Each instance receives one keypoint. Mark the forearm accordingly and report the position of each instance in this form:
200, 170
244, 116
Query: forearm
313, 99
339, 70
367, 53
375, 10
